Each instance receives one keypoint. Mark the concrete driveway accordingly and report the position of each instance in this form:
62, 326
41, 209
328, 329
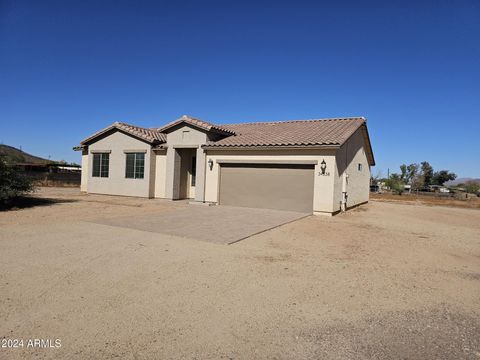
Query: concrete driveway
217, 224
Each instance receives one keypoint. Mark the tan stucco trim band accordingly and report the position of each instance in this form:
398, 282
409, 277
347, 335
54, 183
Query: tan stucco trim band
287, 162
100, 151
185, 146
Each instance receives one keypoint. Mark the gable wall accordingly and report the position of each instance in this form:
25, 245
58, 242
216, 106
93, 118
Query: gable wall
185, 135
116, 183
348, 157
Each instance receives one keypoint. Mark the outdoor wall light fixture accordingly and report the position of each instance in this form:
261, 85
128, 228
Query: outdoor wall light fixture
323, 166
210, 164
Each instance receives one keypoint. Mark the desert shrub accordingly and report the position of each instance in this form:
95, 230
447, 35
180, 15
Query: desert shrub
395, 184
472, 187
13, 183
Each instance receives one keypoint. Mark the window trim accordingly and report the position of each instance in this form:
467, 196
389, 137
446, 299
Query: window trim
360, 167
101, 171
134, 151
136, 172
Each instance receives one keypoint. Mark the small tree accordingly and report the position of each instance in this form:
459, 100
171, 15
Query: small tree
374, 180
12, 183
427, 173
409, 175
442, 176
396, 184
404, 173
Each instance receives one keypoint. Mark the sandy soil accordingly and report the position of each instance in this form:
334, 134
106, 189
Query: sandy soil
383, 281
473, 202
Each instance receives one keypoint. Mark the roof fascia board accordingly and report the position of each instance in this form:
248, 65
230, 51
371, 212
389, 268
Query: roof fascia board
168, 128
287, 162
369, 144
366, 139
113, 129
284, 147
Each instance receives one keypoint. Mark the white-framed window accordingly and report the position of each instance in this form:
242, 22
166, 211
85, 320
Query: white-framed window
360, 167
135, 165
100, 165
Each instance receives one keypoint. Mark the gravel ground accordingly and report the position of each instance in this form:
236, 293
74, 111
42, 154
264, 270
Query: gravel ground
383, 281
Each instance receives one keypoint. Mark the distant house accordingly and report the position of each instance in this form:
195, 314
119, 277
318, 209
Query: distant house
439, 189
315, 166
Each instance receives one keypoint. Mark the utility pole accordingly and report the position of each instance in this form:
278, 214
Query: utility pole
388, 173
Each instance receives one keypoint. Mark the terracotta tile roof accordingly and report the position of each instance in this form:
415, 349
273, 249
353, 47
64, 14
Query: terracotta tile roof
290, 133
149, 135
199, 124
315, 132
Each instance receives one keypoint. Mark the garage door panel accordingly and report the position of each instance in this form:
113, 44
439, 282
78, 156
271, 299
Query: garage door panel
283, 187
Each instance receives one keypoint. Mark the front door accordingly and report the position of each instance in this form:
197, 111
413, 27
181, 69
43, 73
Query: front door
188, 162
192, 177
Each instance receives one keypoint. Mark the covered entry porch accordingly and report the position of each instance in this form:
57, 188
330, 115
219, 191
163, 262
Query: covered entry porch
185, 170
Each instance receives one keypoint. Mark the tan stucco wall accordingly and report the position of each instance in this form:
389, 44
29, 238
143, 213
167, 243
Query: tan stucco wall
84, 178
161, 181
160, 173
348, 157
178, 137
185, 135
323, 185
116, 183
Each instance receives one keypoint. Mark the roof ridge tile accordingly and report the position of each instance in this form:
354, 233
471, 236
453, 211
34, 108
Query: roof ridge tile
299, 120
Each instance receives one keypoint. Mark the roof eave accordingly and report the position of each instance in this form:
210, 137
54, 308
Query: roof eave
97, 134
114, 126
369, 144
210, 128
271, 147
366, 137
222, 132
161, 146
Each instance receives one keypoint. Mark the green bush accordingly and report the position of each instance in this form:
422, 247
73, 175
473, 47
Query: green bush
395, 184
13, 184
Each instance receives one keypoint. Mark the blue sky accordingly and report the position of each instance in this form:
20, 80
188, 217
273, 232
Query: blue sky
69, 68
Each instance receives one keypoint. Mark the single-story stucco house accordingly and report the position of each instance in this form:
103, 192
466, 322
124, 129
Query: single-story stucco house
319, 166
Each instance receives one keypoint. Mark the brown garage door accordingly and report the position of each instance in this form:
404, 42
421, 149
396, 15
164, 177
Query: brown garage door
270, 186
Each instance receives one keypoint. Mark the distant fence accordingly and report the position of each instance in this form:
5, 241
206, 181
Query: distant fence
55, 179
440, 195
431, 194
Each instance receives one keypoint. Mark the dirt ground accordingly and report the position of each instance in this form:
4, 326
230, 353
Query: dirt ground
383, 281
431, 200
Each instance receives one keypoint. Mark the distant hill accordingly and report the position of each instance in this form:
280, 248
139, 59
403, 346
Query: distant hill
461, 181
14, 155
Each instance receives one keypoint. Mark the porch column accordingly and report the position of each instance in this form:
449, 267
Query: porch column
172, 186
200, 178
